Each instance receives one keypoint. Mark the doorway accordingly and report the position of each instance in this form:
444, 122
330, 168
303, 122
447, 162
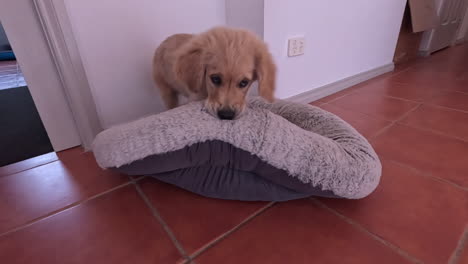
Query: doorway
22, 133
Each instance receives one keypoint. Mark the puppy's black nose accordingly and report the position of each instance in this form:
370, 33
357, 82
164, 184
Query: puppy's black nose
226, 114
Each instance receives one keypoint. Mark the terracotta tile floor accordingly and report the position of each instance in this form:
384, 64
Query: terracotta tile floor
63, 209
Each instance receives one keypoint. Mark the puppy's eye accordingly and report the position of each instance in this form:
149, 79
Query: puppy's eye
215, 79
243, 83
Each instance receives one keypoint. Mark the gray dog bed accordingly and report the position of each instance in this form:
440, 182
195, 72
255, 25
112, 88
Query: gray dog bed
273, 152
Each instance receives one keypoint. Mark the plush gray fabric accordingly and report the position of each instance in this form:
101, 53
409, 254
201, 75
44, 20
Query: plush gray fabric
310, 144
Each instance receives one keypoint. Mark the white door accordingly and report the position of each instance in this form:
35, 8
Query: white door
24, 31
451, 14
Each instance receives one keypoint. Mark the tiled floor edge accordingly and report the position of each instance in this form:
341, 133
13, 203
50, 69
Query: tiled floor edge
221, 237
432, 131
63, 209
27, 168
424, 174
359, 227
397, 121
462, 243
446, 107
159, 218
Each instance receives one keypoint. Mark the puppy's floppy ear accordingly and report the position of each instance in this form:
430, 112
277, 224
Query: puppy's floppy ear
189, 67
265, 71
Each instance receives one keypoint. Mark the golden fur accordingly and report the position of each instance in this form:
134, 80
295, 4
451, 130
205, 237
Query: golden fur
214, 65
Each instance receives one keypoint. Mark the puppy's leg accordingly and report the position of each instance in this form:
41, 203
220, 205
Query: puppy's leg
170, 97
168, 94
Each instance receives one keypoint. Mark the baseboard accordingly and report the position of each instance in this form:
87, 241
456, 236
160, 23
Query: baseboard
460, 41
342, 84
424, 53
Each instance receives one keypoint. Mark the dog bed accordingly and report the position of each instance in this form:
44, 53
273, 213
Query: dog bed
272, 152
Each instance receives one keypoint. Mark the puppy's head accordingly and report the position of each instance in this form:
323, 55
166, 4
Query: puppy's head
222, 64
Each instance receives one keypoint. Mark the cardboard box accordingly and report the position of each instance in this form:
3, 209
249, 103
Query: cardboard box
419, 16
423, 15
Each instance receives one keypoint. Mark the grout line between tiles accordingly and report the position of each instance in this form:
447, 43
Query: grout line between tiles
30, 168
159, 218
63, 209
407, 113
447, 91
381, 131
447, 108
418, 104
339, 97
184, 261
414, 65
433, 131
377, 94
425, 174
361, 228
385, 128
398, 121
459, 248
402, 99
229, 232
462, 92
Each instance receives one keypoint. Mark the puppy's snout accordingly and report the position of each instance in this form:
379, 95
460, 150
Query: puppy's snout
226, 114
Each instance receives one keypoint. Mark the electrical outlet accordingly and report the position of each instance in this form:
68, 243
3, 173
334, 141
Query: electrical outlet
296, 46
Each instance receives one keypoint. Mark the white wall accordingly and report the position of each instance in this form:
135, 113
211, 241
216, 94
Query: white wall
117, 40
343, 38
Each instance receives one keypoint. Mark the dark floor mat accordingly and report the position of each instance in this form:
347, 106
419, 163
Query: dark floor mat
22, 134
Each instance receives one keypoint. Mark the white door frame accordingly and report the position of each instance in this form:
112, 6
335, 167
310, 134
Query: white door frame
24, 31
44, 44
58, 31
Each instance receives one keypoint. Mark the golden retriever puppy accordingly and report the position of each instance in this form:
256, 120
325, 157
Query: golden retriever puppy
217, 66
